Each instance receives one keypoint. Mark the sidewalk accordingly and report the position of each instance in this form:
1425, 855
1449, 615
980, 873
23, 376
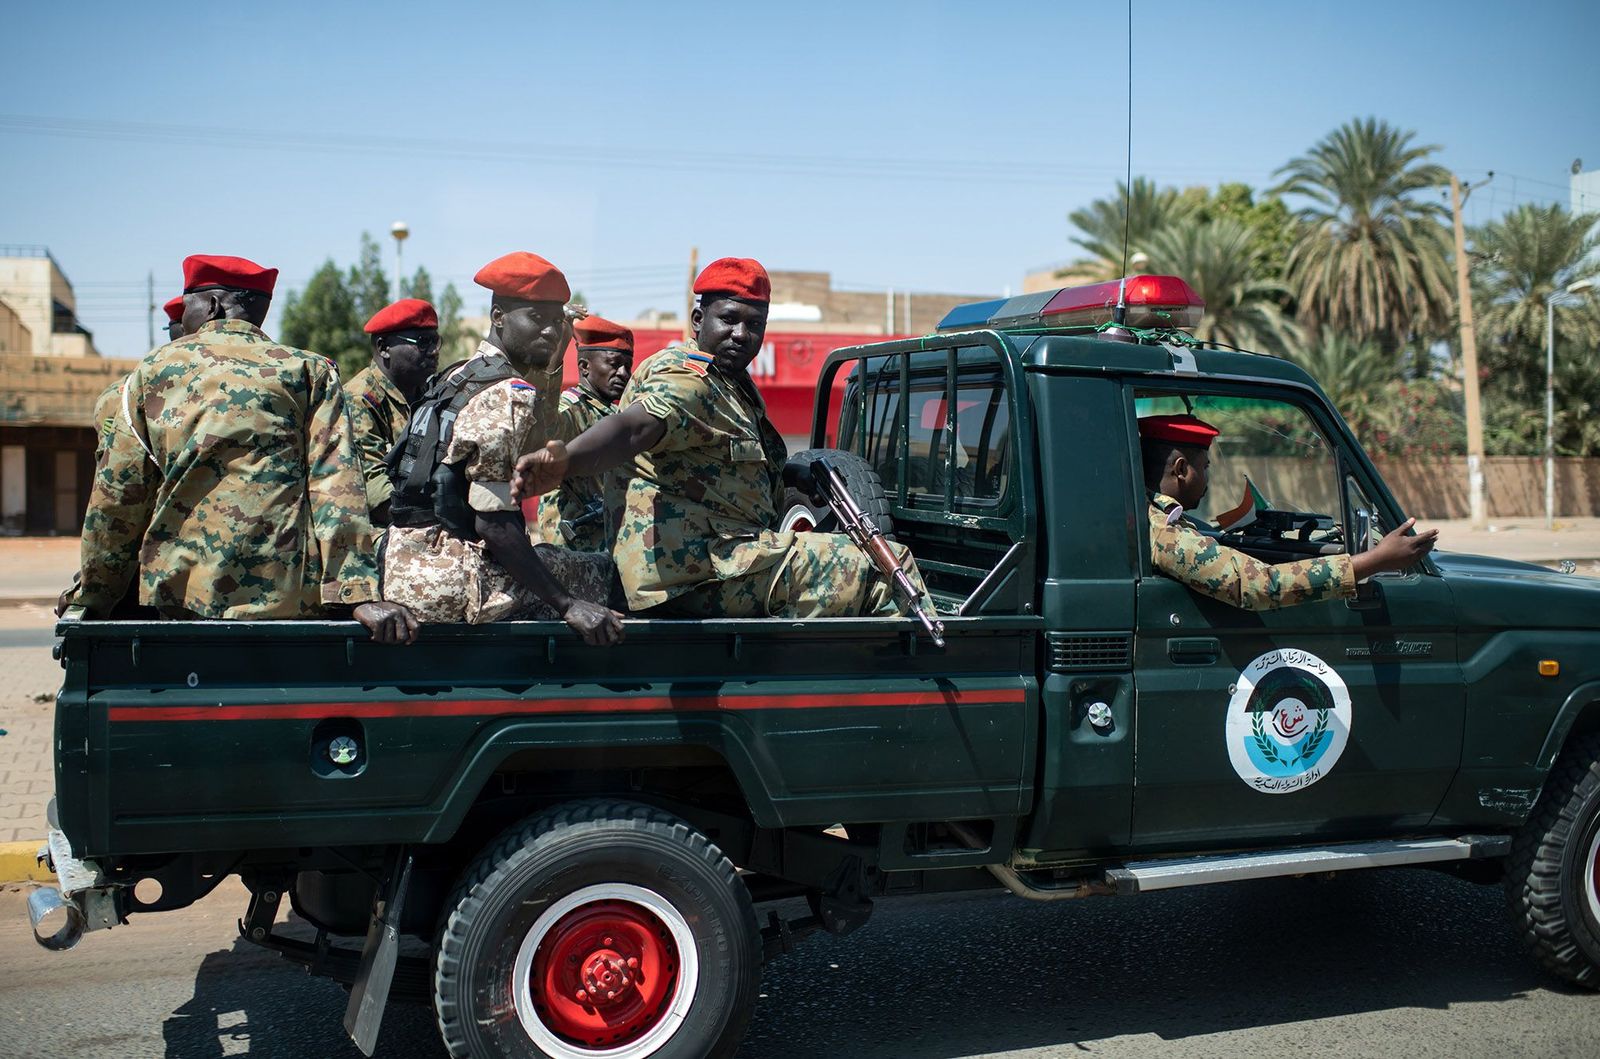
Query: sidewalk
1526, 539
36, 569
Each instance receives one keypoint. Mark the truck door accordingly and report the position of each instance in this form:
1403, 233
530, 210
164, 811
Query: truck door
1337, 718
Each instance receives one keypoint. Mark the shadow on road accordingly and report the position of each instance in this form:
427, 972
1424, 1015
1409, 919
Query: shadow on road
935, 979
248, 1001
946, 977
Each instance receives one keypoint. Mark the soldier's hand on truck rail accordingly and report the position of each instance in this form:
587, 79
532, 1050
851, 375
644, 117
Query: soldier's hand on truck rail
388, 622
600, 626
539, 471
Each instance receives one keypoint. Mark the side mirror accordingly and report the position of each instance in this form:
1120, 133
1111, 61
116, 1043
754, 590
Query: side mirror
1361, 539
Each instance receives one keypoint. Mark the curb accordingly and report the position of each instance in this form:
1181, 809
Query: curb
19, 863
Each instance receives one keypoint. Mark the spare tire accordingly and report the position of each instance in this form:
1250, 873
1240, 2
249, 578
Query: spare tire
799, 513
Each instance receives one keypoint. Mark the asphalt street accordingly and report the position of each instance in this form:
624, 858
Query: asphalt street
26, 638
1396, 963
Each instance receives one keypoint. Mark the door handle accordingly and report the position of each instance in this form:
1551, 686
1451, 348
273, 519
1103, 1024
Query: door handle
1193, 651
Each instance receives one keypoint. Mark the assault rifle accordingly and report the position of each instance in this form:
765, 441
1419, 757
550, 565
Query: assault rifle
866, 535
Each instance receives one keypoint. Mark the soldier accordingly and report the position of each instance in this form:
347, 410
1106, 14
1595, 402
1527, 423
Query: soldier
405, 352
697, 536
104, 419
229, 486
1176, 452
583, 511
174, 311
458, 547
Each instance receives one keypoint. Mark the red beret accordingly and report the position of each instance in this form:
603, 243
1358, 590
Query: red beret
407, 312
174, 308
738, 277
596, 332
526, 276
1179, 430
218, 270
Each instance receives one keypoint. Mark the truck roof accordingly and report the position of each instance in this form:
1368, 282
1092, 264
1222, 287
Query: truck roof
1037, 349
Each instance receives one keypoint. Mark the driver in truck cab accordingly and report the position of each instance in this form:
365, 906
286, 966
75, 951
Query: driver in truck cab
1176, 452
698, 536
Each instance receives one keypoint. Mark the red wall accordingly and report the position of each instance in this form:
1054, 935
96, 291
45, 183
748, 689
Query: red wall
785, 372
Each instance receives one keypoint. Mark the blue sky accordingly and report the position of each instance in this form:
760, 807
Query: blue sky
934, 146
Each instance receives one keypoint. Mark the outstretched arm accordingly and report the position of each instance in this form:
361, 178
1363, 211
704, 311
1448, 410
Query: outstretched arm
610, 442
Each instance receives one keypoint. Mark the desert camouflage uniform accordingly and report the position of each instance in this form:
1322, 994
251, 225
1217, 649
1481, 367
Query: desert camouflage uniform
378, 415
581, 408
1186, 555
695, 533
444, 578
249, 502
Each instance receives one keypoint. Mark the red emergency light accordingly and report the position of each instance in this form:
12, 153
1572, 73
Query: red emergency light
1152, 301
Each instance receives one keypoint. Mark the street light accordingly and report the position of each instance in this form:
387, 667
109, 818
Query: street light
1561, 297
399, 230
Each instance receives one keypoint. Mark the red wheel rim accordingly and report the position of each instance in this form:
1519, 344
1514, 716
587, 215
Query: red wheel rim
605, 973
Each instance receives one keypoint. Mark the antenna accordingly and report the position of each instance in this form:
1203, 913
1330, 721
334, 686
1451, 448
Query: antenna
1120, 313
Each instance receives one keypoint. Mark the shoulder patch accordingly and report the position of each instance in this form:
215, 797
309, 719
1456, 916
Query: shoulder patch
698, 363
521, 384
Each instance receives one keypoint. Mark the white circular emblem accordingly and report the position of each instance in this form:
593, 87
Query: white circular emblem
1288, 721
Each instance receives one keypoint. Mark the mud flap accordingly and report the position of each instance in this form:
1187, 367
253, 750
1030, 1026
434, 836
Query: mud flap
370, 993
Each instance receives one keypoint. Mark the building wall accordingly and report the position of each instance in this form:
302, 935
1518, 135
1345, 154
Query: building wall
15, 337
33, 285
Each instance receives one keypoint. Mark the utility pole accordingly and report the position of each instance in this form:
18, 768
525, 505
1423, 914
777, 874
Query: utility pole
1469, 358
150, 314
688, 303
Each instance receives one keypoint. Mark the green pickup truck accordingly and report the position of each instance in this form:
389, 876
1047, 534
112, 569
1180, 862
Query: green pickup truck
579, 838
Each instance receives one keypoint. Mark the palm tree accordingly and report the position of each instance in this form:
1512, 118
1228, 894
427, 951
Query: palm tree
1355, 374
1220, 261
1145, 209
1372, 257
1519, 260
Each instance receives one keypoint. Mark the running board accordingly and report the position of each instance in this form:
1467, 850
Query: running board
1146, 875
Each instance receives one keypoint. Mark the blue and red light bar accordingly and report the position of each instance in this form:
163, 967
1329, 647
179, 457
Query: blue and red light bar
1152, 302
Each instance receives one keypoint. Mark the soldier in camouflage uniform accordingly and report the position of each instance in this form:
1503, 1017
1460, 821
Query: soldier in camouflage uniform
1177, 461
582, 512
697, 536
497, 573
405, 352
104, 419
228, 485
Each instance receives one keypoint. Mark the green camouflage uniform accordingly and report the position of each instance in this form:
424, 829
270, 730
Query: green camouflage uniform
581, 408
378, 416
1186, 555
696, 531
445, 578
249, 502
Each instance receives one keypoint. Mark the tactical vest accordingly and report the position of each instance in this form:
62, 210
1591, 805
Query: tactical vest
428, 491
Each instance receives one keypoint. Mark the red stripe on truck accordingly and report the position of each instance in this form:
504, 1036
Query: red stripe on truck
315, 711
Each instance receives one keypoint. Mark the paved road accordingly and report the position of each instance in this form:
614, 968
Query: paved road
38, 639
1396, 963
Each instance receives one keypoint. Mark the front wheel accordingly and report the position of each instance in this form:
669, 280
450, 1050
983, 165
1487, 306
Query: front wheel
1553, 879
598, 930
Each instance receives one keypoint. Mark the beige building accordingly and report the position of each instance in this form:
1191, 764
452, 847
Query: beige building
50, 376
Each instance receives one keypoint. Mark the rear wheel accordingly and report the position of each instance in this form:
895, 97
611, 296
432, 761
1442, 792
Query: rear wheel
1553, 879
859, 477
598, 930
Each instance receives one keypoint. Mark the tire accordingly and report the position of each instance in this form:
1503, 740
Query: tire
859, 478
1553, 877
585, 896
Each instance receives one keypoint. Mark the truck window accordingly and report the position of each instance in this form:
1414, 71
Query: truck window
1274, 473
963, 431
